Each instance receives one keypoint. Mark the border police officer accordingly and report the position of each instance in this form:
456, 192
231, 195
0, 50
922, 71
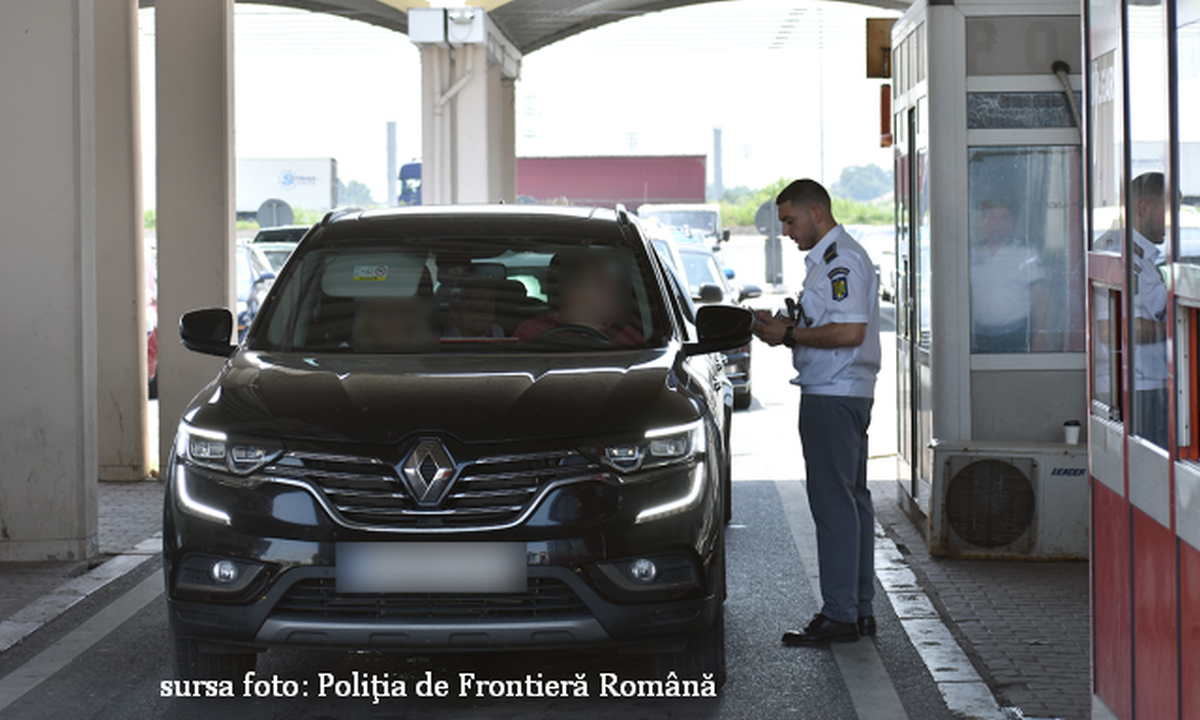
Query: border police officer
833, 333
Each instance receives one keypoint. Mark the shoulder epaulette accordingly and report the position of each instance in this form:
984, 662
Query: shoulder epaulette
831, 252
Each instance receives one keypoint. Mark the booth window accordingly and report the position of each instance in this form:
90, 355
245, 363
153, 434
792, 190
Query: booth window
1188, 103
1106, 127
924, 255
1147, 221
1026, 250
1106, 352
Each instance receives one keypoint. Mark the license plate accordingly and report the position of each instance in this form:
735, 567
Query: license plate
422, 567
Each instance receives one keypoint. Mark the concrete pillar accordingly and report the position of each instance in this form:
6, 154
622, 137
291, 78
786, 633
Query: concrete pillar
48, 179
194, 57
468, 116
508, 139
123, 447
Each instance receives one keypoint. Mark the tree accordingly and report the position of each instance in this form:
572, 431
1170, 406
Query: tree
864, 183
354, 193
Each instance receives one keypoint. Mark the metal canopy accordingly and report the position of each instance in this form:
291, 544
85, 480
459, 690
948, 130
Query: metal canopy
530, 24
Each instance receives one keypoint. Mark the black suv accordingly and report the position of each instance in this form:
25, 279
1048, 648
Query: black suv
456, 428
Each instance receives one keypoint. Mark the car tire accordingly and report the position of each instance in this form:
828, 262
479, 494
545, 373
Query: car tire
193, 664
704, 657
742, 398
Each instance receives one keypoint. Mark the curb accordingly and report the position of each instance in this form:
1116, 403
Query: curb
965, 692
38, 613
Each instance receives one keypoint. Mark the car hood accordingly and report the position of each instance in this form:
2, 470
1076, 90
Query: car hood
473, 398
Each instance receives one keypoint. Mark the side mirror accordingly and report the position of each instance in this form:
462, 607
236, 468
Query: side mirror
710, 294
721, 327
725, 236
208, 331
265, 279
749, 292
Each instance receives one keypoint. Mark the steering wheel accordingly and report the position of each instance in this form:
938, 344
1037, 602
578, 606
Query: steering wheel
579, 331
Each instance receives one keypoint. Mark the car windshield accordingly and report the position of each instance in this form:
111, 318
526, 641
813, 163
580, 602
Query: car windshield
702, 220
464, 295
277, 257
700, 269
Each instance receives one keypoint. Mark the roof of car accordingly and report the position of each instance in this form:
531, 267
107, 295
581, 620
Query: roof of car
477, 220
563, 211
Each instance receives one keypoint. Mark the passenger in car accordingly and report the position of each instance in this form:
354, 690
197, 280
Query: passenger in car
591, 297
472, 310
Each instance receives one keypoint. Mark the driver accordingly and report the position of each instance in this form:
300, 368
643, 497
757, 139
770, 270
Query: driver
591, 302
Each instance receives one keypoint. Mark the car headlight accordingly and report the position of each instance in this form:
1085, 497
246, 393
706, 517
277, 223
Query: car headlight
658, 447
216, 451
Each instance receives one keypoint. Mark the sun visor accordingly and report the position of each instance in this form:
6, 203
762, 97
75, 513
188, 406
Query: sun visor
374, 274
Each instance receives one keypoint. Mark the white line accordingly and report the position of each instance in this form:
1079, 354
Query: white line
33, 616
54, 658
871, 689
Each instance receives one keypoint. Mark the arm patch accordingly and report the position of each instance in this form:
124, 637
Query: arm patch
839, 284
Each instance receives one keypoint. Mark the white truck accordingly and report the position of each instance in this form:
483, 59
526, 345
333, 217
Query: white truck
309, 183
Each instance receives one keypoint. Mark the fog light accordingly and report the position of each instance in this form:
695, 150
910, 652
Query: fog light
224, 572
643, 570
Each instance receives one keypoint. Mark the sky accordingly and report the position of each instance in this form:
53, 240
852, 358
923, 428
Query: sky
784, 79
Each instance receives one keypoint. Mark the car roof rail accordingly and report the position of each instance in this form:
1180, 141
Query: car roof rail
623, 215
337, 213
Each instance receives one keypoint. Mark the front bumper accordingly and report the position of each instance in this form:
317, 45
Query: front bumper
590, 620
578, 593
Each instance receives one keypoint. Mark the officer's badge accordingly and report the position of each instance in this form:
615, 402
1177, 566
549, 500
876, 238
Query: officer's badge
841, 283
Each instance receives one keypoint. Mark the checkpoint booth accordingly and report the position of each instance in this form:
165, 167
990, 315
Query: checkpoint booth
991, 307
1143, 273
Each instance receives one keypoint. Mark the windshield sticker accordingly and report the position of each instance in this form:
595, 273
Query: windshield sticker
370, 272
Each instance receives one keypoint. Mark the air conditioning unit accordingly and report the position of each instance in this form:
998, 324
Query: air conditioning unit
1000, 500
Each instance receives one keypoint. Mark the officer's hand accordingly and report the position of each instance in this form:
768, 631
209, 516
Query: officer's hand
769, 329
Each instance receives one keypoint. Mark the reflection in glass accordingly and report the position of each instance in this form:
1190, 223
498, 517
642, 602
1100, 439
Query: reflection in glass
1146, 217
1147, 213
1026, 252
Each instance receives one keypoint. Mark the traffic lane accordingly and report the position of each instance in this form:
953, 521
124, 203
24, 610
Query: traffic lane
121, 676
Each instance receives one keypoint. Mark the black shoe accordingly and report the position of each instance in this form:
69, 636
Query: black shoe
822, 631
866, 626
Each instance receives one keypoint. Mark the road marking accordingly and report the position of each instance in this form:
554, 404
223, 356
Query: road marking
33, 616
54, 658
871, 689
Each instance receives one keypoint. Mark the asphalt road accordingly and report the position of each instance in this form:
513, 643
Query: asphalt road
121, 675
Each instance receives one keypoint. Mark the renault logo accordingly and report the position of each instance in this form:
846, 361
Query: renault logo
428, 472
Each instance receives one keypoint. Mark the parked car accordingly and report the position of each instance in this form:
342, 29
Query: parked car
485, 428
254, 278
708, 281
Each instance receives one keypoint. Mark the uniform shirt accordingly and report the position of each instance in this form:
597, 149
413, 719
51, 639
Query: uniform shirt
1150, 303
1000, 284
840, 287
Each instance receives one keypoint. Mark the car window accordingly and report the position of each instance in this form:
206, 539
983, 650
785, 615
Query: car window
470, 295
701, 269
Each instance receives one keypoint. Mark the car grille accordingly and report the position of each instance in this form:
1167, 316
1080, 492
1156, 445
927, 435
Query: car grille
543, 597
489, 492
